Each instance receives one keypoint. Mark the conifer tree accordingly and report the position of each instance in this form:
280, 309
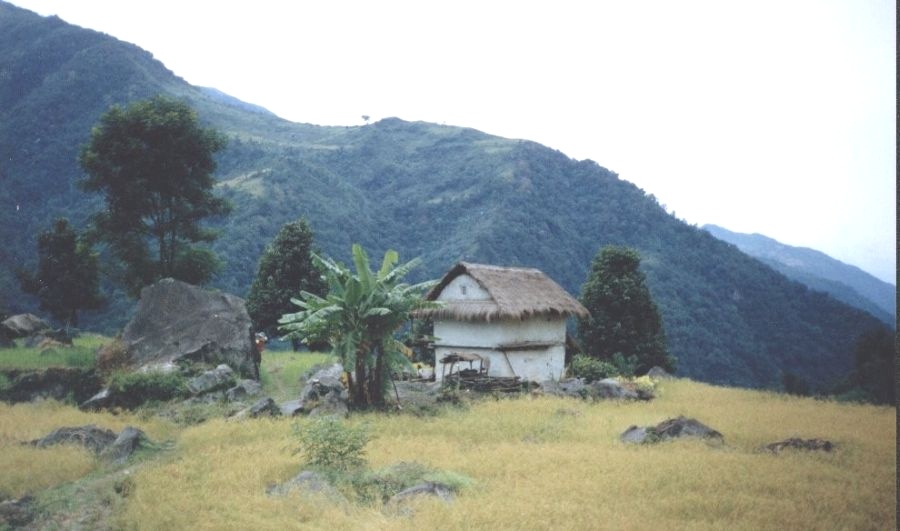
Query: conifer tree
625, 322
285, 269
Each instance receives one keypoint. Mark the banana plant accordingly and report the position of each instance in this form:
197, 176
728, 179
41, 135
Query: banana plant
358, 318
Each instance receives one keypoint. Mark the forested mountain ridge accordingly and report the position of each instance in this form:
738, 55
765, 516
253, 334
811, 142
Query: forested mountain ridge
442, 193
818, 271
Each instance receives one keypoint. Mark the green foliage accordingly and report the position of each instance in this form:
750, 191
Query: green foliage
624, 320
874, 379
133, 389
332, 445
67, 277
592, 369
152, 163
285, 269
358, 318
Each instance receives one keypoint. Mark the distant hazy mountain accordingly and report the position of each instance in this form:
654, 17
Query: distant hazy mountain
818, 271
441, 193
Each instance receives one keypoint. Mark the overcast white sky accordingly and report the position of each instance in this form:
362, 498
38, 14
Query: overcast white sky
777, 117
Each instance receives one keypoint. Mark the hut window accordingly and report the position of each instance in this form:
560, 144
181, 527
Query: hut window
462, 289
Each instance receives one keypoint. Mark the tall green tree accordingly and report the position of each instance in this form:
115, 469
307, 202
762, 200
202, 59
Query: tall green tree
624, 319
358, 318
67, 276
285, 269
153, 163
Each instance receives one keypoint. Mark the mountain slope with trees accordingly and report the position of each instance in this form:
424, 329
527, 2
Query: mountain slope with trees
442, 193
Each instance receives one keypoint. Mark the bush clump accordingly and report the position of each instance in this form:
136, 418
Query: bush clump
591, 369
331, 445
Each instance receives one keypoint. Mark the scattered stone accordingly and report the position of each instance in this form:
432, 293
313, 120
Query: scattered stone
800, 444
24, 325
127, 442
609, 388
572, 387
16, 514
265, 406
213, 380
324, 393
670, 429
658, 373
49, 338
91, 437
419, 396
438, 490
308, 482
605, 389
634, 435
331, 406
103, 399
208, 398
291, 408
243, 389
175, 321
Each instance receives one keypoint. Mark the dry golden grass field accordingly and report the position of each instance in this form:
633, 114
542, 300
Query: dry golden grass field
535, 462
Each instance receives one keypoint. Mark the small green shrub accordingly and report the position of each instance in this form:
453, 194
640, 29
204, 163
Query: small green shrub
592, 369
133, 389
331, 445
625, 365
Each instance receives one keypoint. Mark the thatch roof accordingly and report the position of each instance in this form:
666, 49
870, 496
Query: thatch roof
516, 293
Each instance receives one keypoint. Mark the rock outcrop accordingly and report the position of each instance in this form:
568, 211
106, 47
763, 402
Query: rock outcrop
796, 443
670, 429
177, 321
606, 389
102, 442
58, 383
24, 325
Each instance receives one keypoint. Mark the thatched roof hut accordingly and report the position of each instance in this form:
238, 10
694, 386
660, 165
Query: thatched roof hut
514, 293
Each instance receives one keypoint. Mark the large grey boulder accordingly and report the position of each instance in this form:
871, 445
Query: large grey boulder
24, 325
177, 321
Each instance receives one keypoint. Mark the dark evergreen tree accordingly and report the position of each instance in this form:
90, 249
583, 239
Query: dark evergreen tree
285, 269
624, 322
875, 365
153, 164
67, 277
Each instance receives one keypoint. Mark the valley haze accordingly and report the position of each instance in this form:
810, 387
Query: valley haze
771, 117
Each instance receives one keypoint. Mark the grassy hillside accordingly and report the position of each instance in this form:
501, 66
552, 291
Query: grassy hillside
536, 462
442, 193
